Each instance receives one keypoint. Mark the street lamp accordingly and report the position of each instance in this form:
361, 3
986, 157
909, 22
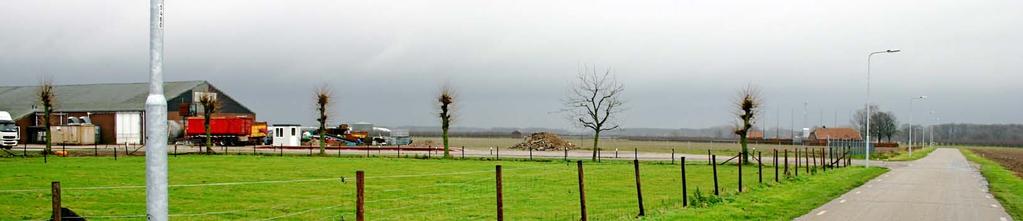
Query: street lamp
911, 122
156, 121
867, 143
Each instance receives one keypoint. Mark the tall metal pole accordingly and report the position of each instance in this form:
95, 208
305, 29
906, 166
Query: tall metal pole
911, 121
866, 144
156, 120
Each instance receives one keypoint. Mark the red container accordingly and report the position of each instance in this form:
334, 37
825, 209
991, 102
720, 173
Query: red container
220, 126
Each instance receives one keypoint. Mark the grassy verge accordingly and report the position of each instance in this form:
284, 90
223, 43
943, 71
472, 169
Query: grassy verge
917, 154
226, 187
1006, 186
785, 201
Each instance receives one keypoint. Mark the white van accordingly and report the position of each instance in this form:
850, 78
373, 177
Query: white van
9, 131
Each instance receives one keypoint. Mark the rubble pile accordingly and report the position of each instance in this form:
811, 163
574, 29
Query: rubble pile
544, 141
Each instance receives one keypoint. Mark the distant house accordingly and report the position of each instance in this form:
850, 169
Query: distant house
824, 133
516, 134
118, 109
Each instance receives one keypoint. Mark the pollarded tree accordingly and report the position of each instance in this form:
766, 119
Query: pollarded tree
594, 102
748, 108
446, 101
47, 97
323, 96
210, 105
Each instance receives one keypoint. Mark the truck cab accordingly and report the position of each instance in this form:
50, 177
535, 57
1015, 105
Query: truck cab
9, 132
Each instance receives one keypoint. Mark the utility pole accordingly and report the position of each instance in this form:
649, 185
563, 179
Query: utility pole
156, 121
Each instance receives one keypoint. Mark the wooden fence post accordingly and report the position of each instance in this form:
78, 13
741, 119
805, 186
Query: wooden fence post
566, 154
498, 152
807, 162
582, 191
500, 196
714, 164
530, 153
672, 156
635, 153
639, 189
360, 196
463, 152
685, 197
709, 156
786, 163
115, 153
814, 160
55, 200
775, 165
824, 160
760, 167
741, 156
797, 161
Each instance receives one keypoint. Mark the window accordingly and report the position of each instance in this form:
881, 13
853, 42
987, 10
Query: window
292, 131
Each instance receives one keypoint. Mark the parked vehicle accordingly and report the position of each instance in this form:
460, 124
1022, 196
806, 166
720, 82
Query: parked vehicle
9, 132
225, 131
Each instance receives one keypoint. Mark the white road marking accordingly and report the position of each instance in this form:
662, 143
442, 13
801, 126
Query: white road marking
822, 212
869, 186
858, 192
843, 201
988, 196
879, 180
1004, 219
994, 205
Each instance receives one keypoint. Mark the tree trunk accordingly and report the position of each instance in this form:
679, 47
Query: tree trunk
444, 137
209, 138
745, 152
596, 139
49, 145
323, 138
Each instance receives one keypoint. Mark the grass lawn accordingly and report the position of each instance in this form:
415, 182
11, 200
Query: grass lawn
1006, 186
311, 188
719, 148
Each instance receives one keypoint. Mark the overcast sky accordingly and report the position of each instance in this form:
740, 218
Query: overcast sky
512, 61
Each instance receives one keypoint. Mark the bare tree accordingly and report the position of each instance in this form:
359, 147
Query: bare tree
748, 111
594, 102
210, 105
323, 95
446, 100
47, 97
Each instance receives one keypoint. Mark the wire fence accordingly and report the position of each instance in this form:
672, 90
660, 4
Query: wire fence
550, 188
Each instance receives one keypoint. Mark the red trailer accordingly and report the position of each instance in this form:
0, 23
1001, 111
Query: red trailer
223, 130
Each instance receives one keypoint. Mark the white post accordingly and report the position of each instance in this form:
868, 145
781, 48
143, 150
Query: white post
156, 120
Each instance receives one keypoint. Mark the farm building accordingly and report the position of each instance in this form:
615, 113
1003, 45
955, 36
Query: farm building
118, 109
821, 134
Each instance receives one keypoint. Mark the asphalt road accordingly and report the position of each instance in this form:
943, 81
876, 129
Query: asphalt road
941, 186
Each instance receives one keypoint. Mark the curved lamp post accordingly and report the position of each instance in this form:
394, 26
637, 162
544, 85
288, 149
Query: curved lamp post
866, 144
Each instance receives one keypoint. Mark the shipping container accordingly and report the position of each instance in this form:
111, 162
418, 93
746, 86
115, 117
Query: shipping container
223, 130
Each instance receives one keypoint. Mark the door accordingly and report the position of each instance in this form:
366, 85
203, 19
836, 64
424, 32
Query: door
129, 127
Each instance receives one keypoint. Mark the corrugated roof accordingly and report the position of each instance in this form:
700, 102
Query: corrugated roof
18, 100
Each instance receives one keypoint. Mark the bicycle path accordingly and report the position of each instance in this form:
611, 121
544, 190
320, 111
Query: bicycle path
941, 186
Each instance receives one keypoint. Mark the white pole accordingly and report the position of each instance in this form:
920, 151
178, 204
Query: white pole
866, 148
911, 126
156, 120
867, 129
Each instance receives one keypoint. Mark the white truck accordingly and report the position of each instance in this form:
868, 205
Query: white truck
9, 131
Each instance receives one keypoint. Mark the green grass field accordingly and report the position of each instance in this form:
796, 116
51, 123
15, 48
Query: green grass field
1004, 185
718, 148
311, 188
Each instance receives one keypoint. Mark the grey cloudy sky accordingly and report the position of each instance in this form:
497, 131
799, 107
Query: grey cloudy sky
511, 61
